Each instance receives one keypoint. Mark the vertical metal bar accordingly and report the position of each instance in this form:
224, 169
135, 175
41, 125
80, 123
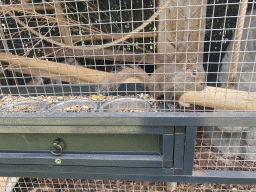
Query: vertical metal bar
168, 141
189, 150
179, 138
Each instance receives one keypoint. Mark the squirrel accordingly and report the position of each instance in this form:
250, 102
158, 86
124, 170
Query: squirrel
168, 80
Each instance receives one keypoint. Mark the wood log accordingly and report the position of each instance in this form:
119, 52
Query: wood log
220, 98
65, 33
181, 29
47, 75
60, 69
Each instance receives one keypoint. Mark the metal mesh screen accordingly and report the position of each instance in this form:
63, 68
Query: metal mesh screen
52, 43
40, 184
134, 56
218, 149
166, 47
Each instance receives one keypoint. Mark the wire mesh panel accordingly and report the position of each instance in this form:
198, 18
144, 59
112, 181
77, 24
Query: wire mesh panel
48, 184
68, 66
166, 46
74, 42
220, 150
33, 184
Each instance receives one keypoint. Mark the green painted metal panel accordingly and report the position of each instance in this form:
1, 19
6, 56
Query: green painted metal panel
87, 142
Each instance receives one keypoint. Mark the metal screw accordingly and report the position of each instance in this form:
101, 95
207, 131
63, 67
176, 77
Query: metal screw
58, 161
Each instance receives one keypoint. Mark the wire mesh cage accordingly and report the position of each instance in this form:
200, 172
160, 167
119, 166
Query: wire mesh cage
74, 73
48, 184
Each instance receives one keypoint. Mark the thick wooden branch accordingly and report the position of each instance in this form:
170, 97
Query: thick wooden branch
109, 54
65, 33
220, 98
28, 7
77, 72
99, 37
47, 75
64, 29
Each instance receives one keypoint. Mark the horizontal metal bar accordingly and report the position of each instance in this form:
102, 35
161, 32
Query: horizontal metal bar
132, 119
130, 174
89, 159
67, 89
82, 129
